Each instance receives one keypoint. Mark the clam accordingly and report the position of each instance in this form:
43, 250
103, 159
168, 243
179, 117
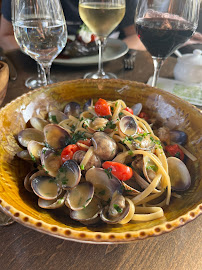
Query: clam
24, 154
179, 175
27, 180
94, 160
116, 211
56, 116
30, 134
34, 148
89, 103
53, 204
69, 174
178, 136
50, 161
72, 108
45, 187
89, 214
105, 184
55, 136
80, 196
104, 146
137, 108
144, 143
38, 123
128, 126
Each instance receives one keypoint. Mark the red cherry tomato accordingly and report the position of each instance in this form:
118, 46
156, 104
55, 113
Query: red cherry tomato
86, 142
102, 108
144, 116
68, 152
119, 170
129, 110
175, 151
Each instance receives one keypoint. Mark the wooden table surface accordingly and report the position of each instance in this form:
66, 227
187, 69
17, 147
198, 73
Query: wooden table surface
24, 249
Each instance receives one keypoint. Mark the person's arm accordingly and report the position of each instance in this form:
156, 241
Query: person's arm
132, 39
7, 39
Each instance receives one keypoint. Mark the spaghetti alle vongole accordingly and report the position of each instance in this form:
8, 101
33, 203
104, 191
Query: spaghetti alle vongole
106, 164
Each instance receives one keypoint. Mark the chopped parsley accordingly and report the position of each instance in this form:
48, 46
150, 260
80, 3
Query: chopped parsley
152, 167
102, 192
130, 152
118, 209
33, 157
110, 125
82, 167
53, 119
108, 172
139, 138
120, 114
75, 138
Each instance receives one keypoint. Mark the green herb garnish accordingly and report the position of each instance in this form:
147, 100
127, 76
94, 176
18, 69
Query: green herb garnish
82, 167
53, 119
118, 209
108, 172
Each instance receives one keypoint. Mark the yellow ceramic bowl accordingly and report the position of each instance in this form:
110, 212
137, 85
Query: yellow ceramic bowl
167, 108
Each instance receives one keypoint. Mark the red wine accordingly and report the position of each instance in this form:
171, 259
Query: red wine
162, 36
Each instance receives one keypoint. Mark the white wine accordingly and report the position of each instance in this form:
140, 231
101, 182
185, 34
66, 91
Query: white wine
42, 40
101, 18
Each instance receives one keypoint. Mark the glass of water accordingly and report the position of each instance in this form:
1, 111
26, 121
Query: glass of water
40, 31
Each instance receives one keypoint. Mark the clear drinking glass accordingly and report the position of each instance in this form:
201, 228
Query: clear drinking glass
101, 17
164, 25
40, 30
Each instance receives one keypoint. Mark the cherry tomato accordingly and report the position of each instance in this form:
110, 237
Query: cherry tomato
68, 152
175, 151
129, 110
102, 108
86, 142
144, 116
119, 170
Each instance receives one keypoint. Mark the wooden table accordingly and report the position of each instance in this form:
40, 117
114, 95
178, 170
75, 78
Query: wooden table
24, 249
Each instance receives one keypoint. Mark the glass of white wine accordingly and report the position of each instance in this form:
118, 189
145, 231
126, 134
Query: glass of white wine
40, 31
101, 17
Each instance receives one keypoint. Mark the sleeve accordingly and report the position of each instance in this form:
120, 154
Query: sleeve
129, 15
6, 9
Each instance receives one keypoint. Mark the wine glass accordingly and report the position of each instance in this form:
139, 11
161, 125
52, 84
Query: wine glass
164, 25
101, 17
35, 81
40, 31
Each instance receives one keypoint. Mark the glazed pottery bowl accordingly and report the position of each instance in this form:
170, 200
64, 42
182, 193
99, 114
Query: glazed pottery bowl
4, 76
168, 109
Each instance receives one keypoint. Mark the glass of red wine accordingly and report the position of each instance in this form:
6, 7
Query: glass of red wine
164, 25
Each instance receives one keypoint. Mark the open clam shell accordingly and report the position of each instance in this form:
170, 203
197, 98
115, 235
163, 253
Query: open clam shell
72, 108
105, 184
35, 148
55, 136
69, 174
30, 134
53, 204
179, 175
50, 161
116, 211
45, 187
80, 196
89, 214
128, 126
38, 123
56, 116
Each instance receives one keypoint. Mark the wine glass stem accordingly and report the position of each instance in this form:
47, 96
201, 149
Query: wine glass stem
45, 74
101, 42
158, 62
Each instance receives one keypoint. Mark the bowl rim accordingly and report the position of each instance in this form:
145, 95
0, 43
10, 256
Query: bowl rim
96, 237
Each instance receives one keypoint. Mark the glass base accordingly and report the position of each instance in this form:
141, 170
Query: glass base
5, 220
103, 75
35, 82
